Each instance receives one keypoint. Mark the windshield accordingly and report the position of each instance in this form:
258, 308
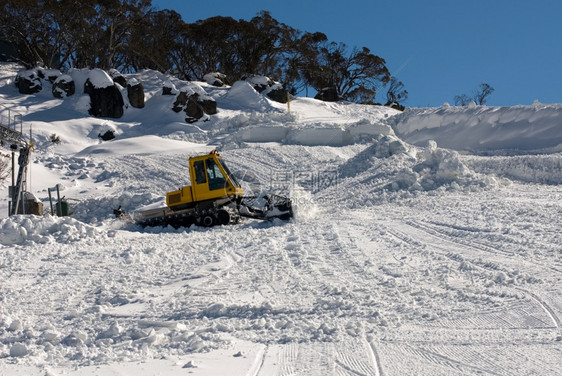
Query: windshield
230, 176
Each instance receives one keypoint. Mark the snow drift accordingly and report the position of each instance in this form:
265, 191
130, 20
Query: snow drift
482, 129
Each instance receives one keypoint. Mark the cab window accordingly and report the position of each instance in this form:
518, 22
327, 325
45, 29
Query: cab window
216, 178
199, 168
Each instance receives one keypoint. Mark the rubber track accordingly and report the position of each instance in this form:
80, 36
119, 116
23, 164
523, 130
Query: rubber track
191, 218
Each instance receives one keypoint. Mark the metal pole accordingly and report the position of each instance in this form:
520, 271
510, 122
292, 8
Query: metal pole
51, 201
22, 201
29, 162
59, 207
13, 168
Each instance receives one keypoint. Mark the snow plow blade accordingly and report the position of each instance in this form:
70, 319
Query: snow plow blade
275, 207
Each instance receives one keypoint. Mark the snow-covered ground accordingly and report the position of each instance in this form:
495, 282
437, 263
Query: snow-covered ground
404, 257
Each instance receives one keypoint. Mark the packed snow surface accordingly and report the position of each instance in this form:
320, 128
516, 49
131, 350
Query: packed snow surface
405, 257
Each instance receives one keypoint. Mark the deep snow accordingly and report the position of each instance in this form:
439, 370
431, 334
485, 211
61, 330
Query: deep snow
404, 257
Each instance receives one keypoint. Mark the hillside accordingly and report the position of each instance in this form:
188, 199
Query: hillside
425, 242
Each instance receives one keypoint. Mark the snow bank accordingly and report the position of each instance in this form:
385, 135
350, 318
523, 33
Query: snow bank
79, 76
141, 145
484, 129
48, 229
540, 169
320, 136
391, 168
243, 96
309, 135
263, 134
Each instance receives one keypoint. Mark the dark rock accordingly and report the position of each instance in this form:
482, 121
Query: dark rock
265, 85
217, 83
104, 101
193, 111
259, 83
277, 94
181, 101
49, 74
63, 87
28, 82
328, 94
194, 104
168, 88
121, 81
118, 77
208, 106
108, 135
216, 79
135, 92
260, 88
396, 106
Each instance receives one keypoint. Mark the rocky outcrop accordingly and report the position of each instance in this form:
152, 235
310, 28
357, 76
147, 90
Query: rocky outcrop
216, 79
63, 86
194, 101
328, 94
135, 92
259, 83
107, 135
28, 82
118, 77
168, 88
105, 98
277, 93
193, 111
50, 75
265, 85
208, 105
180, 102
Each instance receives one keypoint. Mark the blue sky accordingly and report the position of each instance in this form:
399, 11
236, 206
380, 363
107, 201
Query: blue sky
438, 48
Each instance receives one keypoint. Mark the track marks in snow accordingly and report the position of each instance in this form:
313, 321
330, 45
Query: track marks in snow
512, 315
553, 316
345, 358
471, 294
334, 257
374, 355
439, 231
473, 274
258, 362
477, 365
480, 358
